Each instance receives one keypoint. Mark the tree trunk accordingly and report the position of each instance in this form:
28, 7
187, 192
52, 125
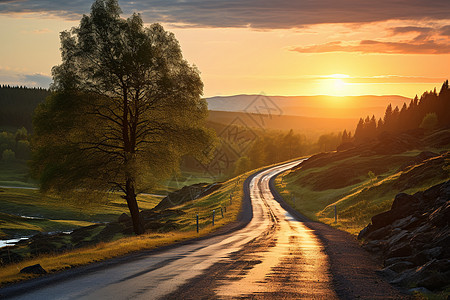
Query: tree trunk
138, 227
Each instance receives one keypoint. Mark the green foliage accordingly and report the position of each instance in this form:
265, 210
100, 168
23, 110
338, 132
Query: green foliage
21, 134
430, 121
432, 110
8, 155
125, 108
242, 165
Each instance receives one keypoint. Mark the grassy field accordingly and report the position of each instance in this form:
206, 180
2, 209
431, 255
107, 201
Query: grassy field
356, 203
25, 212
15, 173
120, 245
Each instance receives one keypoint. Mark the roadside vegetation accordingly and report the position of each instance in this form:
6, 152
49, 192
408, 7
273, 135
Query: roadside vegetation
119, 244
359, 186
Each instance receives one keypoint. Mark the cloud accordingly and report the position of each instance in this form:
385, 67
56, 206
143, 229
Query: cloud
412, 29
14, 77
445, 30
431, 39
39, 80
371, 46
42, 31
261, 14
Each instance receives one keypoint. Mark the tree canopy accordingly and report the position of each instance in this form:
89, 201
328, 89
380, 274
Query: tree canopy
432, 107
125, 107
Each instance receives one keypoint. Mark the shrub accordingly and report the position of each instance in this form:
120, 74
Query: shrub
430, 121
8, 155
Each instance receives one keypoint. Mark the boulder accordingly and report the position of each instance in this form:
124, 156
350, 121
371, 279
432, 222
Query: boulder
385, 218
400, 250
34, 269
401, 266
404, 201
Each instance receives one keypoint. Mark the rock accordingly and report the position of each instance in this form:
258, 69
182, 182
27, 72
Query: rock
441, 216
34, 269
405, 222
419, 290
433, 281
363, 233
422, 229
387, 273
400, 250
433, 275
124, 218
393, 260
404, 201
401, 266
398, 237
380, 233
374, 246
385, 218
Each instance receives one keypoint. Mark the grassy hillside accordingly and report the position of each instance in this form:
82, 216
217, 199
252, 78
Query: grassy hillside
26, 211
103, 241
363, 181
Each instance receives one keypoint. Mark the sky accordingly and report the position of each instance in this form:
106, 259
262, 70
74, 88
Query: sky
284, 47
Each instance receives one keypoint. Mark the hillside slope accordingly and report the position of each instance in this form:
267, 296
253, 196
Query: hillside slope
349, 107
363, 181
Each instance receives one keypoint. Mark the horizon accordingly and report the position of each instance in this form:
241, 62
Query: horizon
285, 49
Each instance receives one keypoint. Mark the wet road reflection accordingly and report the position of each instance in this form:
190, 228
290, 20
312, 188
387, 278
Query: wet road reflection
292, 262
274, 256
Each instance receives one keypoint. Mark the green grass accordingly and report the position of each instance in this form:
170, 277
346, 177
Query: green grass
120, 245
15, 173
57, 213
356, 203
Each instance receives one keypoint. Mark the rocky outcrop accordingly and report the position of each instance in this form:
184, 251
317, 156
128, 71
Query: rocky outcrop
413, 239
34, 269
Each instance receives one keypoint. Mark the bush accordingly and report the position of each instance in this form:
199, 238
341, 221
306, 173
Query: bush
8, 155
430, 121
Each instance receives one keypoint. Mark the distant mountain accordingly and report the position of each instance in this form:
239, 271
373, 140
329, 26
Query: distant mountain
352, 107
308, 126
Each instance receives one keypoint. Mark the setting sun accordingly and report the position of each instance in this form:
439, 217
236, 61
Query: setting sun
339, 85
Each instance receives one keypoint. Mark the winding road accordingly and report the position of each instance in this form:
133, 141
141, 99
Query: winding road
274, 256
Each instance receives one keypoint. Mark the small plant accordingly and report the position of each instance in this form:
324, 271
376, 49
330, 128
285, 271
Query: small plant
430, 121
371, 176
8, 155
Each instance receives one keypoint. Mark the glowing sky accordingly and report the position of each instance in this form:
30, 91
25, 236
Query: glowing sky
347, 47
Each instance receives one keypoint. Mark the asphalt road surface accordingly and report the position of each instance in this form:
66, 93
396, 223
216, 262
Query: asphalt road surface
275, 256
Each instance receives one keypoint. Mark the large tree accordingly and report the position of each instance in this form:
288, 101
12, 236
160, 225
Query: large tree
125, 107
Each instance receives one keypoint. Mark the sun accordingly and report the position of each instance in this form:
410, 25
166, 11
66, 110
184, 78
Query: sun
339, 84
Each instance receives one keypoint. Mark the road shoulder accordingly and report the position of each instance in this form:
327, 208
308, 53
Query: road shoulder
353, 269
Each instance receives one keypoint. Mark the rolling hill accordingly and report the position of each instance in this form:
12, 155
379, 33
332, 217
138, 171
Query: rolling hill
348, 107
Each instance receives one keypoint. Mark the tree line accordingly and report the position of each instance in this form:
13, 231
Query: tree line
17, 104
431, 110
